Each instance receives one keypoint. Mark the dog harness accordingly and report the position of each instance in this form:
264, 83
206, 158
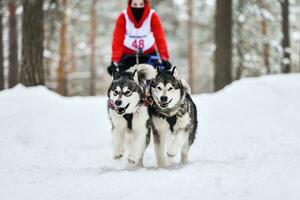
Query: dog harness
172, 119
146, 101
128, 118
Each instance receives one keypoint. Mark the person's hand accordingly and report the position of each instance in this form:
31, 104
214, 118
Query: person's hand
167, 64
112, 68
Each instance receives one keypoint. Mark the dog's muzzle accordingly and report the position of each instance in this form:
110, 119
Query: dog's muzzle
119, 110
164, 104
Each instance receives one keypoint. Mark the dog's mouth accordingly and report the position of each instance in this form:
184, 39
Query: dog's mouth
164, 104
121, 110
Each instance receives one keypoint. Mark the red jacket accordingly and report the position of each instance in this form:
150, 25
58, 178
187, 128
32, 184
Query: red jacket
118, 48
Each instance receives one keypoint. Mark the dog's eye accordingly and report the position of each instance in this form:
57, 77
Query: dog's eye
116, 92
128, 93
158, 88
171, 88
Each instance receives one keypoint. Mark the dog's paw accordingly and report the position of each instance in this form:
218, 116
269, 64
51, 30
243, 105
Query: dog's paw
118, 156
133, 160
161, 164
171, 153
183, 162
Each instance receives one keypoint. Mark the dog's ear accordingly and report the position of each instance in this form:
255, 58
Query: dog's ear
116, 75
135, 76
175, 73
157, 71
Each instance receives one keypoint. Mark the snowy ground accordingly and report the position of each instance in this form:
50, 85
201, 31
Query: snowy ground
247, 147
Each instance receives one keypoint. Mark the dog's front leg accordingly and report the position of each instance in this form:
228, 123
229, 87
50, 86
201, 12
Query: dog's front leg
180, 139
118, 137
138, 145
159, 143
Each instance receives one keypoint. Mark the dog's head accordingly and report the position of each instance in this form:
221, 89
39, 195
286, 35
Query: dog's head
125, 92
166, 89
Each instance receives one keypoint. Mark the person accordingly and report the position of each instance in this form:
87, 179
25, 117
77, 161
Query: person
138, 30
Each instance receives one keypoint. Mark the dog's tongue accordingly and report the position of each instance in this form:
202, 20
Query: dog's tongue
111, 104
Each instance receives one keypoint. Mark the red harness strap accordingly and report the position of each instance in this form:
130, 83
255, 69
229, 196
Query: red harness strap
147, 101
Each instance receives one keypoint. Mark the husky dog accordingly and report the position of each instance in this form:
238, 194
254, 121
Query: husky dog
131, 124
173, 111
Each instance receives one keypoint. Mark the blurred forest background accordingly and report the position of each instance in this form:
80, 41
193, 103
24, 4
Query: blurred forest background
66, 44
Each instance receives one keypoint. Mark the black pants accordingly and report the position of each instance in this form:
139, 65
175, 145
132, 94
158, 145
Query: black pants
128, 61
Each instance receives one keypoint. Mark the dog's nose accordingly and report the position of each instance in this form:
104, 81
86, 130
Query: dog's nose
118, 102
163, 98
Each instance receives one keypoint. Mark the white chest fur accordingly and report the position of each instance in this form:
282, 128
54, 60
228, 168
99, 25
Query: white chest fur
139, 120
162, 125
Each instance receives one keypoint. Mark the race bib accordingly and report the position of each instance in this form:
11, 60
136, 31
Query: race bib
139, 38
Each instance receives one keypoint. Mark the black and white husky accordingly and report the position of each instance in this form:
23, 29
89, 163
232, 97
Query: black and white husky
131, 123
174, 116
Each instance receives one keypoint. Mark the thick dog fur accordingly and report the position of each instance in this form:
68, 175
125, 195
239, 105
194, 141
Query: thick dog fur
144, 71
130, 119
173, 112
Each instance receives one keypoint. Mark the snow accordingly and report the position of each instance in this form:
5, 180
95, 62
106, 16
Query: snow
247, 147
241, 18
268, 15
286, 61
296, 36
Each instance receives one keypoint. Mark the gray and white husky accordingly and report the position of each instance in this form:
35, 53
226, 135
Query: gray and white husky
174, 116
131, 123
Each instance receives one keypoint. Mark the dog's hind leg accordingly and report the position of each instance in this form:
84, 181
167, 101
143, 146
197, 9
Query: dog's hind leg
147, 141
141, 160
159, 143
184, 152
118, 137
177, 144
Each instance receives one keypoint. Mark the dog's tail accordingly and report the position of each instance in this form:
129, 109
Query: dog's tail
145, 71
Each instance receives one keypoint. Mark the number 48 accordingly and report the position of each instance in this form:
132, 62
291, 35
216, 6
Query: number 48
138, 44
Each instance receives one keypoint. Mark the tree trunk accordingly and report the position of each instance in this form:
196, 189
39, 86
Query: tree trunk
73, 46
61, 70
155, 3
93, 48
191, 67
51, 18
13, 75
240, 39
1, 49
266, 51
286, 62
32, 72
223, 40
48, 60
